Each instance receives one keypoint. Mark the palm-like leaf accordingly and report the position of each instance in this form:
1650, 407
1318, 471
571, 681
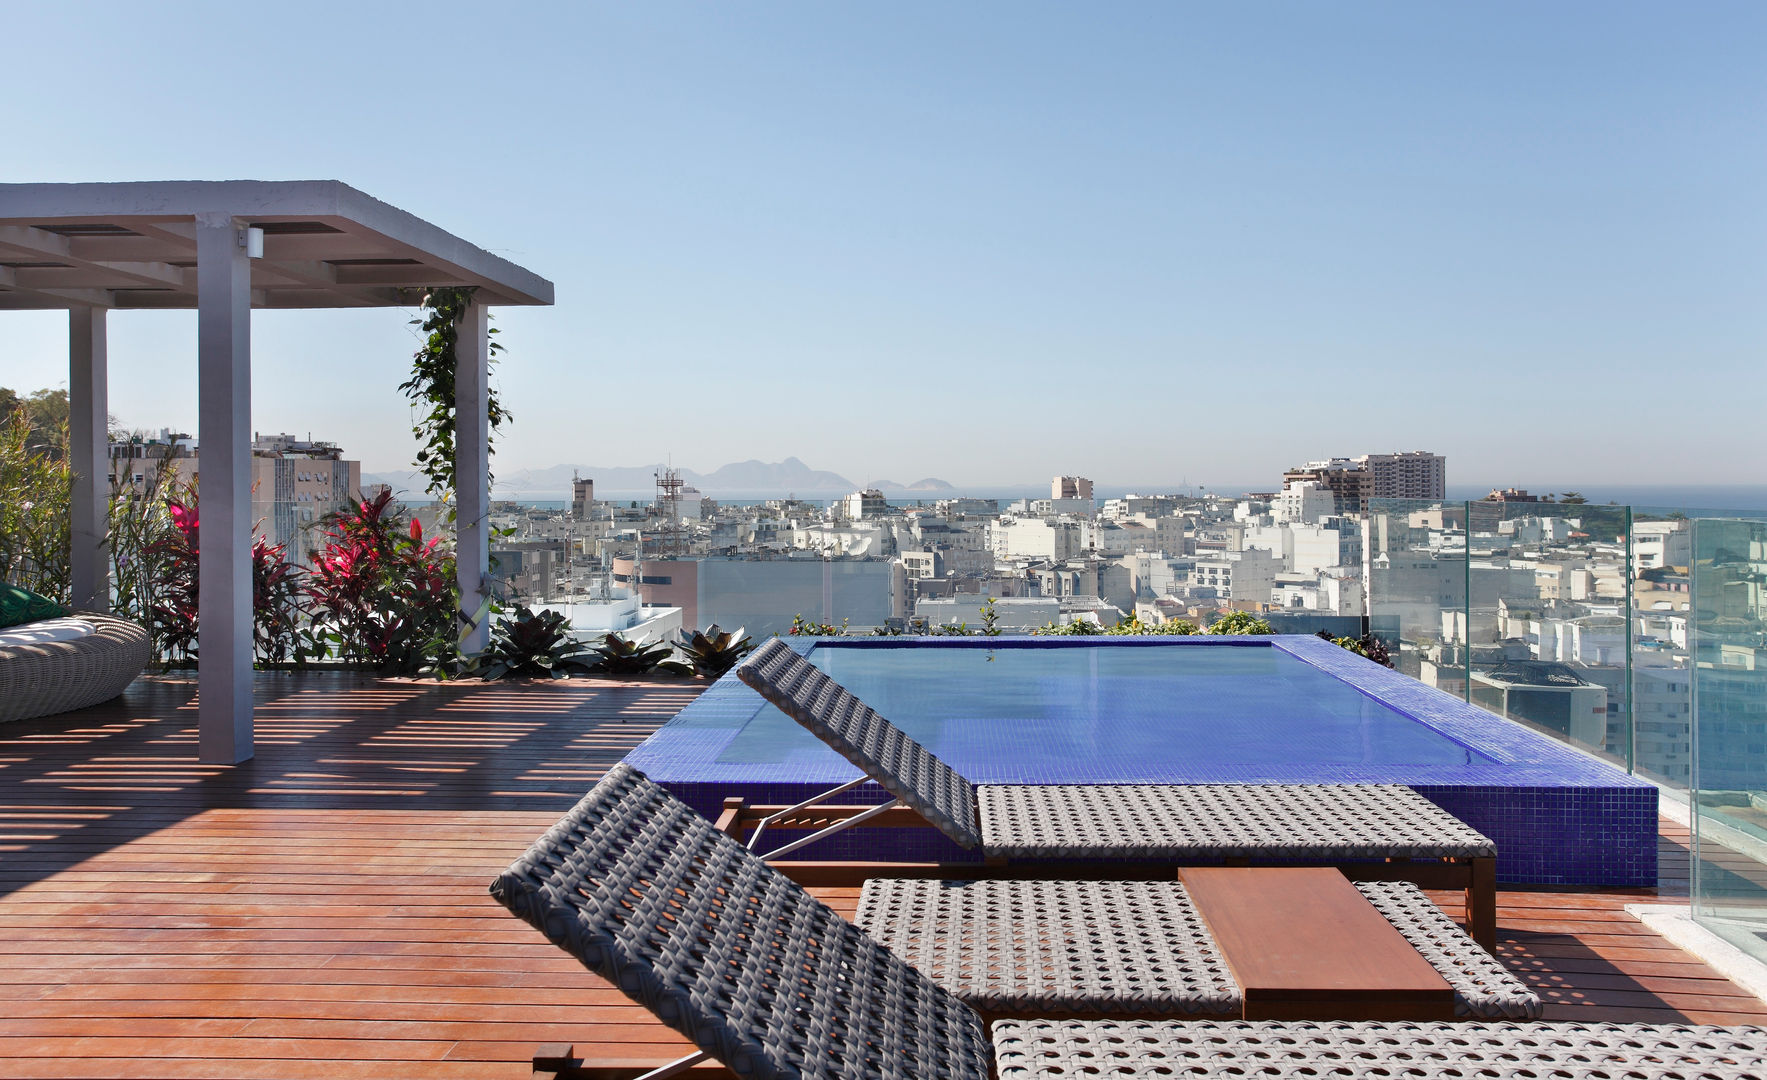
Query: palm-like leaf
712, 651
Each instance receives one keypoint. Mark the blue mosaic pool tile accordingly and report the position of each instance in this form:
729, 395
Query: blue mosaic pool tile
1558, 816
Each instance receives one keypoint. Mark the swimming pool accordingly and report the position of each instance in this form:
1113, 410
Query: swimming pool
1175, 710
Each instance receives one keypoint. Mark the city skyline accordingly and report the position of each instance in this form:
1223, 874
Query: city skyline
1005, 243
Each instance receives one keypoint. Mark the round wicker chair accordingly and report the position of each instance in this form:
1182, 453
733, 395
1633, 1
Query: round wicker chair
54, 676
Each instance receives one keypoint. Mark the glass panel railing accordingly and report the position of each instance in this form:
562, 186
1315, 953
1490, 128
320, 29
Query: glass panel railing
1729, 650
1415, 564
1662, 680
1547, 620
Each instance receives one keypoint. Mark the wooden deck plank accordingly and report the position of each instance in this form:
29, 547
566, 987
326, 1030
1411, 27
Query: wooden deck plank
321, 911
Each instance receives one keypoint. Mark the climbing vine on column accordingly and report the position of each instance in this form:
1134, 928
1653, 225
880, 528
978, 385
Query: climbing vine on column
431, 389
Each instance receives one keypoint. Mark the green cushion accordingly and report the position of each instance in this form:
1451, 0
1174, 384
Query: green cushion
19, 606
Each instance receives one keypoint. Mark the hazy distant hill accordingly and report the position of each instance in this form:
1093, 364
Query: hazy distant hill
781, 477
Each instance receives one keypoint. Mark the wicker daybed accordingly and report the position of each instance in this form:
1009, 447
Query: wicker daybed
40, 678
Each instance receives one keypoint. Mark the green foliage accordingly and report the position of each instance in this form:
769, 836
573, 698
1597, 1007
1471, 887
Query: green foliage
383, 597
530, 645
802, 627
141, 546
46, 419
1367, 645
279, 605
1239, 622
431, 389
36, 503
620, 655
1134, 626
713, 651
1077, 628
990, 619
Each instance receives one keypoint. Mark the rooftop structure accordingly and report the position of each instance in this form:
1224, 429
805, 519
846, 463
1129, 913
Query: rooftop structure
223, 248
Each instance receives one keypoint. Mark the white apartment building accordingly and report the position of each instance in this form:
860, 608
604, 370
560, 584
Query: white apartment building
1035, 538
1240, 576
869, 503
1657, 544
1304, 501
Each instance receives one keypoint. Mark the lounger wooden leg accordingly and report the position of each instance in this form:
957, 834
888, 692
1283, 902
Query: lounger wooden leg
730, 820
1481, 903
559, 1061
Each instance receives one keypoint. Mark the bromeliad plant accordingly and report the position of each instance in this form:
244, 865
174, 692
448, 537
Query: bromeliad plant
383, 597
713, 651
531, 645
620, 655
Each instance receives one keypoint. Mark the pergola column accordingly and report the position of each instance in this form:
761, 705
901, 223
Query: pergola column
89, 457
224, 488
472, 474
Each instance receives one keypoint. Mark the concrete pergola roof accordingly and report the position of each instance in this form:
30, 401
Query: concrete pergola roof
326, 245
92, 248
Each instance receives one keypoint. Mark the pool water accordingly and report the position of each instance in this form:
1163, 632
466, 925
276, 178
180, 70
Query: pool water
1129, 713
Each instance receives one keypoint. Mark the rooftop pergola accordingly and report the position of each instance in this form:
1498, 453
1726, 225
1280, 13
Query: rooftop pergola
223, 248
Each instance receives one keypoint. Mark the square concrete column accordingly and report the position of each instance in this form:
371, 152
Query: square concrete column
224, 489
89, 456
472, 475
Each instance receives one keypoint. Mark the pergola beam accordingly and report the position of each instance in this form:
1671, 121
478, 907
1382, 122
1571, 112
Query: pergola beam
178, 244
42, 244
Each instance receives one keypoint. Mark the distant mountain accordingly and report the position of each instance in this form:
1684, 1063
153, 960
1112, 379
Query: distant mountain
788, 475
931, 483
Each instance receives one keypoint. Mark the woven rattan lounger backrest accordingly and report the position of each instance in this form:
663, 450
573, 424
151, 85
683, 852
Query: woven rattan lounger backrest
901, 766
726, 950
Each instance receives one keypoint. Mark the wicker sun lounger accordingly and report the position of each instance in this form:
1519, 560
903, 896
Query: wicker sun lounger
1129, 948
764, 978
49, 677
1169, 823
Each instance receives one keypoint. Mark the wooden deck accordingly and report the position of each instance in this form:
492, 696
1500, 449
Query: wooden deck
321, 910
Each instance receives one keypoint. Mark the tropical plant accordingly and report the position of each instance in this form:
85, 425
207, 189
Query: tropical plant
1079, 627
1132, 625
279, 606
431, 390
990, 619
36, 503
175, 603
1367, 645
1239, 622
384, 597
713, 651
801, 627
140, 523
531, 644
620, 655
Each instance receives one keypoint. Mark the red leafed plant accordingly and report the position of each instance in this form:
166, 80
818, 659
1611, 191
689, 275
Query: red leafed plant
382, 596
277, 600
174, 607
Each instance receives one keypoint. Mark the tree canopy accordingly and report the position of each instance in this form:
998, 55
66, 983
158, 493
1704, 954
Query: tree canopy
46, 413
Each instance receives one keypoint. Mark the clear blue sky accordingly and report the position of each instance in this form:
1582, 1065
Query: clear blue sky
986, 242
